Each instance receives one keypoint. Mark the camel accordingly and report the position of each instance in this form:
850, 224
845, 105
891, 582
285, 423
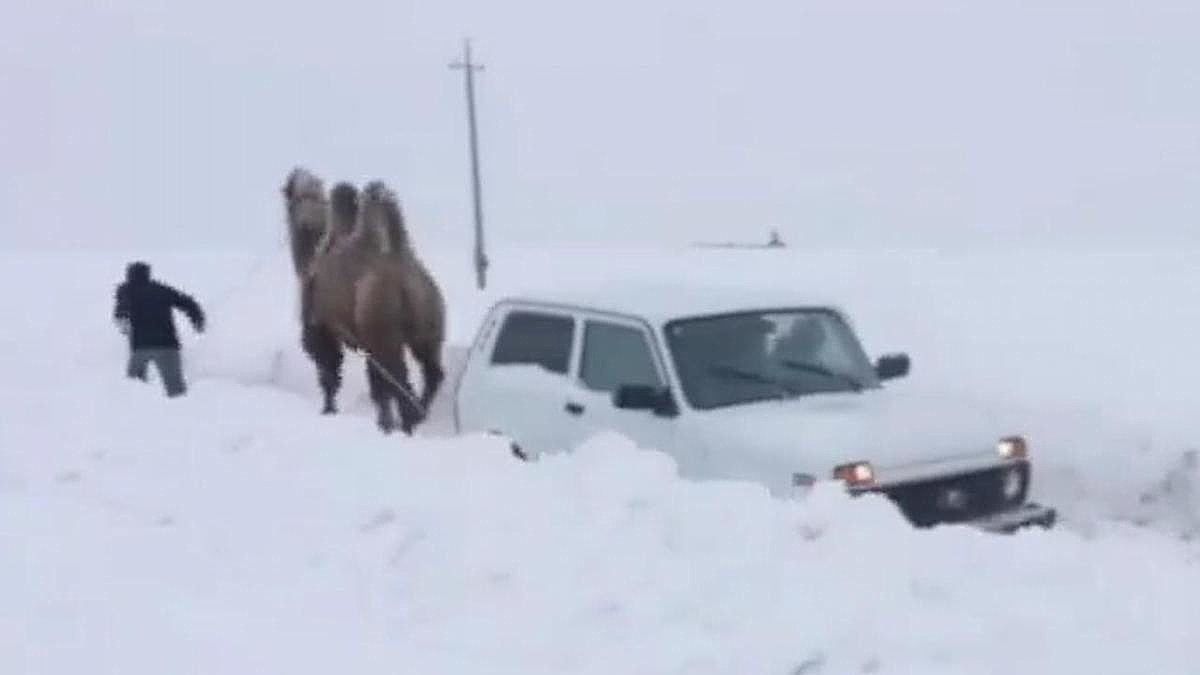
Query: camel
306, 206
365, 289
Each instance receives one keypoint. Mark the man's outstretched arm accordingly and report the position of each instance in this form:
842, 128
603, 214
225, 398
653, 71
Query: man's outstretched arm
188, 305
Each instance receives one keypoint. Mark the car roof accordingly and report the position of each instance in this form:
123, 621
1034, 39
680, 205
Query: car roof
661, 302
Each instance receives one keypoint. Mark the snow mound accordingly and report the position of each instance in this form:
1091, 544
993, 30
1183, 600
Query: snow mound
238, 531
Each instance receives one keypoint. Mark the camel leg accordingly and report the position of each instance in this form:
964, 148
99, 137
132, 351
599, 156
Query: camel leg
399, 388
432, 373
323, 348
381, 396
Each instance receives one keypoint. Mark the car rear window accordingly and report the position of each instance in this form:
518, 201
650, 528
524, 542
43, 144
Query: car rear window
536, 338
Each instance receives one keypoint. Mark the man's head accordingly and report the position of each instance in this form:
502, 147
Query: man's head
805, 338
137, 271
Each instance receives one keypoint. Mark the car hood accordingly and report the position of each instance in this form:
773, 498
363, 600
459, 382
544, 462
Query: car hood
884, 427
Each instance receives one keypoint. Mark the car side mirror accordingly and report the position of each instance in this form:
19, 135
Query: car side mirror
891, 366
645, 397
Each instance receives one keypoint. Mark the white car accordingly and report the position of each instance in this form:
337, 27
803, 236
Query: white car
742, 385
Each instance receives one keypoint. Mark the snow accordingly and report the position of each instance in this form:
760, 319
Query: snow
236, 530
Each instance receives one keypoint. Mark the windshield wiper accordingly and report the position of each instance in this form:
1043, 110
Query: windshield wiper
822, 370
751, 376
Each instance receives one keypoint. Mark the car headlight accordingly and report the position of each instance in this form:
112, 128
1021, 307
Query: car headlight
1013, 447
855, 474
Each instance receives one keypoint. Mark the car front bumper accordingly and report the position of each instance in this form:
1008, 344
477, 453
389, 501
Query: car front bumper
1026, 515
991, 499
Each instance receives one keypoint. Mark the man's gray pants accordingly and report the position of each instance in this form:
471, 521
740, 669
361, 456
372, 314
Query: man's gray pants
168, 363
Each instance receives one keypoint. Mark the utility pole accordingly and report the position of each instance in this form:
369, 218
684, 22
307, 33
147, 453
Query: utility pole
469, 67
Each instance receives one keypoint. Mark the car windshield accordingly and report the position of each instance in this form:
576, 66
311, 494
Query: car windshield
738, 358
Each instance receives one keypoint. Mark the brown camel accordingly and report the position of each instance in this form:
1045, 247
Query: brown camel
366, 290
306, 205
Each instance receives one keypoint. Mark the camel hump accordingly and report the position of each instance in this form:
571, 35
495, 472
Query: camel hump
381, 214
344, 200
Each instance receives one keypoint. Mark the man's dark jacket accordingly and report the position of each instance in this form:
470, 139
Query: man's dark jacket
147, 305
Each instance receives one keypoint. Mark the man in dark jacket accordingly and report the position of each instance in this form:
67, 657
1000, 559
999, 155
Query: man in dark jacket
143, 312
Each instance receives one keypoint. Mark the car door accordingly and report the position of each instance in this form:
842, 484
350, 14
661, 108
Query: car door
516, 378
617, 351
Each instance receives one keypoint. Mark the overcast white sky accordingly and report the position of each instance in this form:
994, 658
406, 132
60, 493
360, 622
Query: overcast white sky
837, 121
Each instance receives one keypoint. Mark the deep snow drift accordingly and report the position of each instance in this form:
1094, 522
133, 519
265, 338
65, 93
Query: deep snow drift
1085, 352
238, 531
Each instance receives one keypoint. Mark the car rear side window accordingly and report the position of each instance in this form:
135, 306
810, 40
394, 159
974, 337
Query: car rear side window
615, 355
535, 338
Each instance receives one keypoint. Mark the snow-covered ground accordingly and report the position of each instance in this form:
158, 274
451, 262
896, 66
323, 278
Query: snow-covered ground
237, 531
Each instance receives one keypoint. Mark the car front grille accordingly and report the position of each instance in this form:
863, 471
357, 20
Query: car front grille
961, 498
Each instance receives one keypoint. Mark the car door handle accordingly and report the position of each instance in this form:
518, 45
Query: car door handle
573, 408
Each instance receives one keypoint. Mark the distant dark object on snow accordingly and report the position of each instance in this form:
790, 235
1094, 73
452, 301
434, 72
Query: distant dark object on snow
774, 242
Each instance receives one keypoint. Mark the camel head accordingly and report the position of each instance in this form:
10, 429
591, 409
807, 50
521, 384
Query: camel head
305, 203
304, 195
303, 184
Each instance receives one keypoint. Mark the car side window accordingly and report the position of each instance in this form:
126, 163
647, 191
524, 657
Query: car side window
613, 355
535, 338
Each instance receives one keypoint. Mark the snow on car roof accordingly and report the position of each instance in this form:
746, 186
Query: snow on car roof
660, 302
